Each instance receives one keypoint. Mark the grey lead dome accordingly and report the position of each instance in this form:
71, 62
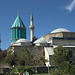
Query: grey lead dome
22, 40
41, 40
60, 30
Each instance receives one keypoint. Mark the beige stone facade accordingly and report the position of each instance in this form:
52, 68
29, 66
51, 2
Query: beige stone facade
37, 51
63, 41
59, 34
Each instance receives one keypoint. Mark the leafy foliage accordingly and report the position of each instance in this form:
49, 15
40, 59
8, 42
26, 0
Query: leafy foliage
60, 54
61, 57
3, 54
40, 61
24, 56
12, 58
22, 69
64, 69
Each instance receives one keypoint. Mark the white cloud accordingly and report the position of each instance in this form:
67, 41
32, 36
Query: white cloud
71, 6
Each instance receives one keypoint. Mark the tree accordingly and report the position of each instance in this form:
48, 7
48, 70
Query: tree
60, 54
64, 68
40, 61
24, 57
3, 54
11, 58
61, 57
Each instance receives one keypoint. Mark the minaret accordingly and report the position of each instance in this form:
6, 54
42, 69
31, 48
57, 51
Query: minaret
0, 41
31, 27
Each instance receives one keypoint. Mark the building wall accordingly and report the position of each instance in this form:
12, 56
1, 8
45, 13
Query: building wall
63, 42
72, 55
69, 34
49, 36
36, 51
49, 56
60, 34
4, 65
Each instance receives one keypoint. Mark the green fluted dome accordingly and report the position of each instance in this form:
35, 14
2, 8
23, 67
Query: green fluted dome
18, 22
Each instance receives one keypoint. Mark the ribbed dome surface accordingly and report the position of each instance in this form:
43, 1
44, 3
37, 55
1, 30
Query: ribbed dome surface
60, 30
41, 40
22, 40
18, 22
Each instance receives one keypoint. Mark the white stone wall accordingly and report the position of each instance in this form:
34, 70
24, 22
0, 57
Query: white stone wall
41, 44
22, 44
48, 51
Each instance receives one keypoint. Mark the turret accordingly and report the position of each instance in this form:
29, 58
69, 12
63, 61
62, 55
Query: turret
32, 27
18, 30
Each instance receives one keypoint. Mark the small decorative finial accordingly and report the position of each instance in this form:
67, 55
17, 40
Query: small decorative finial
18, 12
31, 17
31, 13
59, 26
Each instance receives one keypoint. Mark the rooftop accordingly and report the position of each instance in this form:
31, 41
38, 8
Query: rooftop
18, 22
22, 40
41, 40
60, 30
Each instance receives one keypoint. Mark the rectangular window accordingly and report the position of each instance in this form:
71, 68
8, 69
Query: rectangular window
68, 35
1, 70
55, 35
51, 60
70, 53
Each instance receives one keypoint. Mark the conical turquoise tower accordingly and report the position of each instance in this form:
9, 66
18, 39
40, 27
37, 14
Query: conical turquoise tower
18, 30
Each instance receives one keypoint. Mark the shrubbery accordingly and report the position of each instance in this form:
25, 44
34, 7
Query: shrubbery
22, 69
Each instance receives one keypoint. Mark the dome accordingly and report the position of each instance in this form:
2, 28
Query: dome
22, 40
60, 30
41, 40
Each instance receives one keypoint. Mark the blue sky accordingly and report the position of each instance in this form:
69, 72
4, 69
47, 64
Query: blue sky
48, 15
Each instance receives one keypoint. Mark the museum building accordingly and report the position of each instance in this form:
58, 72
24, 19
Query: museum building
43, 46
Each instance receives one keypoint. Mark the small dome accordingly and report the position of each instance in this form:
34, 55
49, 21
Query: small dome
60, 30
22, 40
41, 40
